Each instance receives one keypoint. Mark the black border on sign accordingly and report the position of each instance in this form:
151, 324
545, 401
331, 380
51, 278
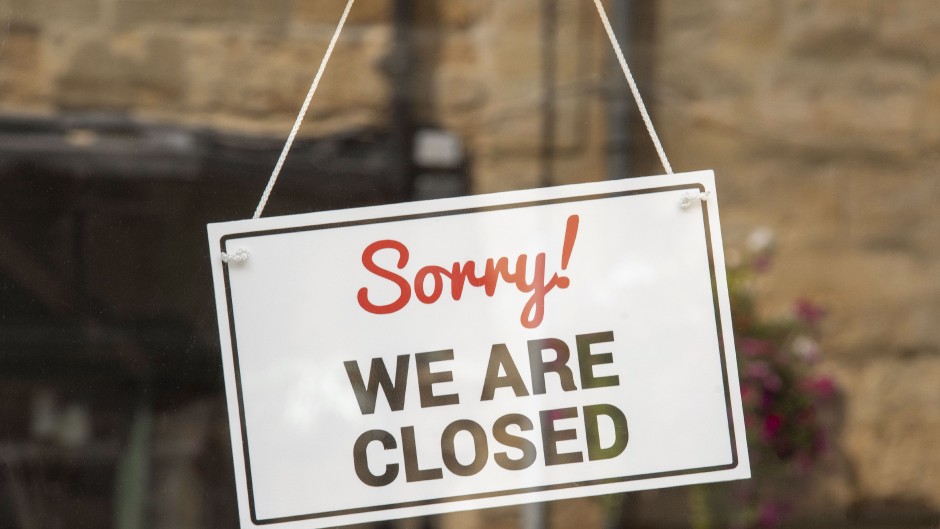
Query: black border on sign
464, 211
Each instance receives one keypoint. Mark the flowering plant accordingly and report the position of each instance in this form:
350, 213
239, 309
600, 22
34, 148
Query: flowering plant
784, 400
782, 397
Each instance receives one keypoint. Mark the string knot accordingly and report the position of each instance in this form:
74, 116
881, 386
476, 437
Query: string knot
689, 197
240, 256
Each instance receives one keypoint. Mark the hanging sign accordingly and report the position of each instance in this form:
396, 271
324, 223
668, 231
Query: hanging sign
428, 357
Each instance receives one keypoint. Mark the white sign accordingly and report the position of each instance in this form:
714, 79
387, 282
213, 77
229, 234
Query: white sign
482, 351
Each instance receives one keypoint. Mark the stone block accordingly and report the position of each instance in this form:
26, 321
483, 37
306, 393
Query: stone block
929, 117
461, 520
699, 137
586, 166
516, 51
160, 81
579, 51
41, 12
855, 104
502, 517
269, 16
879, 303
828, 208
908, 29
353, 78
455, 14
728, 61
892, 427
890, 209
512, 127
204, 70
582, 124
498, 172
267, 79
681, 15
749, 26
718, 56
99, 74
27, 12
514, 55
20, 68
458, 49
584, 513
829, 29
516, 126
96, 78
855, 240
327, 12
458, 91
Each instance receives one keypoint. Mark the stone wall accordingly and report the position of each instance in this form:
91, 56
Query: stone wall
820, 117
247, 65
243, 64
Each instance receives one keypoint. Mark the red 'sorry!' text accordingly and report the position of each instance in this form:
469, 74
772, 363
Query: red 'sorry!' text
428, 283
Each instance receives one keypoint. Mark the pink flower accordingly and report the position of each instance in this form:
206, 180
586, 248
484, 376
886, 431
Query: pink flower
762, 263
755, 347
820, 442
765, 375
824, 387
809, 312
749, 395
770, 514
772, 425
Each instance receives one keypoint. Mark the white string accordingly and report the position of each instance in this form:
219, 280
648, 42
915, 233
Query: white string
636, 93
329, 51
302, 113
